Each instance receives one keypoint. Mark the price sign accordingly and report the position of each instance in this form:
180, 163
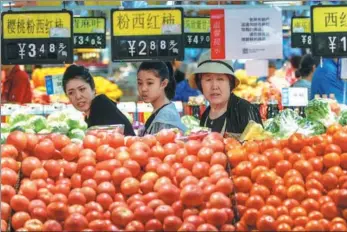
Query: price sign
294, 97
54, 84
329, 31
89, 32
37, 37
301, 32
197, 32
147, 34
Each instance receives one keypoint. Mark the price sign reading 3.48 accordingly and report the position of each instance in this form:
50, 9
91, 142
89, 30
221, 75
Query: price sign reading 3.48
329, 31
89, 32
37, 37
301, 32
147, 34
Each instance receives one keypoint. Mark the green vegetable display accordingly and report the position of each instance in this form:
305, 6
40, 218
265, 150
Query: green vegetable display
319, 110
309, 128
66, 122
343, 118
190, 121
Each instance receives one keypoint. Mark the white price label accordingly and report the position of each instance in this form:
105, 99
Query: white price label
294, 96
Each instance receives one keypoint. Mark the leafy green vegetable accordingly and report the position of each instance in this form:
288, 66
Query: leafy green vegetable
38, 122
343, 118
18, 116
30, 131
271, 126
309, 128
5, 128
284, 124
319, 110
59, 127
58, 116
21, 126
190, 121
76, 134
3, 137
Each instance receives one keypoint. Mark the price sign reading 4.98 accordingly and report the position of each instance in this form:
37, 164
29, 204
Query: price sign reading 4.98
89, 32
147, 34
301, 32
329, 31
37, 37
197, 32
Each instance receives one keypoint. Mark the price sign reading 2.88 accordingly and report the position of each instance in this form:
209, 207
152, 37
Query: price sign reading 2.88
329, 31
301, 32
37, 37
89, 32
147, 34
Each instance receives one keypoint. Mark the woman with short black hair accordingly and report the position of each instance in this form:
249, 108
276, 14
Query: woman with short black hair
79, 87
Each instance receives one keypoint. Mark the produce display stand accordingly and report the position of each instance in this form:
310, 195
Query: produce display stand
290, 174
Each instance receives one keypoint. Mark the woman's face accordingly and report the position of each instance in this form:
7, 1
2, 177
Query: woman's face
215, 87
80, 94
150, 87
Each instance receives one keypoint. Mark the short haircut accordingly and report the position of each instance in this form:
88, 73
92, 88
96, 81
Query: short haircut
78, 72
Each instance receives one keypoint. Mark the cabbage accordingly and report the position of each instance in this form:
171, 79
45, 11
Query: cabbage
83, 125
3, 137
59, 127
76, 134
343, 118
38, 122
21, 126
18, 116
319, 110
5, 128
309, 128
57, 116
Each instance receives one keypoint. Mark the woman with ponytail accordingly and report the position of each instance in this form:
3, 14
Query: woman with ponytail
305, 72
156, 85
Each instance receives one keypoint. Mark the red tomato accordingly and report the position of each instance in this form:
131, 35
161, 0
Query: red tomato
19, 219
52, 225
169, 193
165, 136
191, 195
57, 211
17, 139
75, 222
8, 150
116, 140
44, 149
60, 141
154, 225
121, 216
172, 223
29, 164
8, 177
340, 138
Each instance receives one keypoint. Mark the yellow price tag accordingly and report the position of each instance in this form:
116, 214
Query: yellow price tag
329, 19
197, 25
147, 22
89, 25
37, 25
301, 25
102, 3
48, 3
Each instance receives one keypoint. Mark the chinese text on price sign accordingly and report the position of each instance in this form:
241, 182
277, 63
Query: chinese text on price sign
147, 34
89, 32
329, 31
301, 32
197, 32
37, 37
